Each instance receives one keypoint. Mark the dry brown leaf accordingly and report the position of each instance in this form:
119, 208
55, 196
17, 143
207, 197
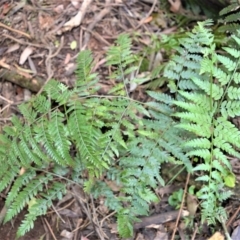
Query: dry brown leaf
140, 237
102, 207
148, 19
113, 227
32, 65
114, 187
84, 238
236, 233
192, 204
161, 235
216, 236
13, 48
67, 59
162, 191
155, 226
59, 8
67, 234
6, 8
25, 54
77, 19
22, 171
76, 3
27, 94
45, 22
175, 5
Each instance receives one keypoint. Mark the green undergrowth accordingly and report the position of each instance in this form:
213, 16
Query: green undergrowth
75, 136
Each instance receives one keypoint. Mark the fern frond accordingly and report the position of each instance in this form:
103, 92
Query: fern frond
230, 16
87, 139
57, 92
28, 113
198, 143
204, 109
232, 51
124, 224
221, 76
40, 206
84, 68
227, 62
59, 133
211, 89
121, 52
25, 195
230, 108
232, 7
18, 184
43, 137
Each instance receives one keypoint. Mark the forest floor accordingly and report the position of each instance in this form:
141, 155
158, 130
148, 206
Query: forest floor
40, 40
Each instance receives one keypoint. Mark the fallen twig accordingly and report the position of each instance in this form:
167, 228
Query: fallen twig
148, 15
77, 19
97, 19
160, 218
15, 30
181, 207
48, 63
22, 79
50, 229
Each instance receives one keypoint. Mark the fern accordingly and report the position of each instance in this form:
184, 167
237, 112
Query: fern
67, 132
73, 133
205, 112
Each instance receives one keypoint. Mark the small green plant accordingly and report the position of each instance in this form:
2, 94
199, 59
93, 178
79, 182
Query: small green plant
206, 84
176, 198
66, 133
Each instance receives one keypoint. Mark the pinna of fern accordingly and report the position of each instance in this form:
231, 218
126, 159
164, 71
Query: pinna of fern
229, 17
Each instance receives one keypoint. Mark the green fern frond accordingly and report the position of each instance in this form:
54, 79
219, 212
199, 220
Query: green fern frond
227, 62
198, 143
57, 130
220, 75
87, 139
230, 108
121, 52
232, 7
28, 150
28, 113
84, 68
229, 16
161, 97
211, 89
124, 224
57, 92
233, 93
18, 184
34, 187
232, 51
204, 111
40, 206
44, 138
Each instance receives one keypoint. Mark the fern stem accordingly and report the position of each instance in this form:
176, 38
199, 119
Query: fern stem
176, 175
